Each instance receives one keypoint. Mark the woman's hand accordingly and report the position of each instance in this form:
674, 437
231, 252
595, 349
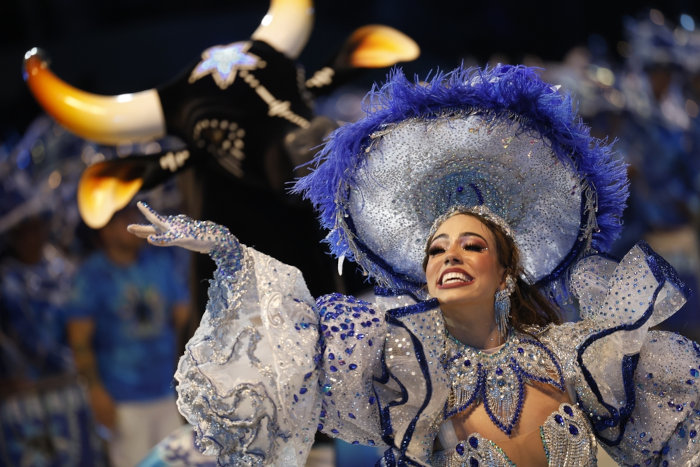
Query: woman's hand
182, 231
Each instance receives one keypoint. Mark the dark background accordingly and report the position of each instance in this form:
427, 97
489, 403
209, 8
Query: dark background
117, 46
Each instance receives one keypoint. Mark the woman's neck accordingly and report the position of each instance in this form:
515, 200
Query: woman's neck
477, 333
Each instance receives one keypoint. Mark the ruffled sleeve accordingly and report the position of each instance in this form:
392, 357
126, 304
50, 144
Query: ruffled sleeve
639, 388
248, 377
268, 367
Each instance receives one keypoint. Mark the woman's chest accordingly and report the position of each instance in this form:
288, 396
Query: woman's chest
549, 433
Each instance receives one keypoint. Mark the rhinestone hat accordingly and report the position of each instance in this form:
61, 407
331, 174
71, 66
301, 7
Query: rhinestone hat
500, 138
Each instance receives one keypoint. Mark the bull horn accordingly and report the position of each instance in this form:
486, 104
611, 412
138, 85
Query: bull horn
287, 26
104, 119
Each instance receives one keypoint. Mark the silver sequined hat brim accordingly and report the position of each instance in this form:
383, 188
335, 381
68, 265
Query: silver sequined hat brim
418, 169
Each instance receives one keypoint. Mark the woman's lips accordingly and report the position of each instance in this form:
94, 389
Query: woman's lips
454, 277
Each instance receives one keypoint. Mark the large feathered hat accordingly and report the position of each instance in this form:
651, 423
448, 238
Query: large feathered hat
500, 138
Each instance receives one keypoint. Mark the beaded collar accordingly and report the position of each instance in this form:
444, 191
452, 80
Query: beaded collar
498, 380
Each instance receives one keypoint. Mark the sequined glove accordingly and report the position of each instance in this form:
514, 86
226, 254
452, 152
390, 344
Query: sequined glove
200, 236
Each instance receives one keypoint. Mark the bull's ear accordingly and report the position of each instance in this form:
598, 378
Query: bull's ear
106, 187
378, 46
372, 46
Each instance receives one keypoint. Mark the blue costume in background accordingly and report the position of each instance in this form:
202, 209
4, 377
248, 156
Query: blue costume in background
45, 418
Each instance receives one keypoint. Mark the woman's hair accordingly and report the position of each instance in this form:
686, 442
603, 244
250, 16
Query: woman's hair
528, 304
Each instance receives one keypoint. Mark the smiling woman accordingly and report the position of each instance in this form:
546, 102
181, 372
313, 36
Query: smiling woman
470, 263
459, 360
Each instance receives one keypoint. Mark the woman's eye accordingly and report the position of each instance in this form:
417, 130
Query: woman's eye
435, 250
477, 248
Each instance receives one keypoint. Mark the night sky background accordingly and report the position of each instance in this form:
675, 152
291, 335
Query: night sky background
118, 46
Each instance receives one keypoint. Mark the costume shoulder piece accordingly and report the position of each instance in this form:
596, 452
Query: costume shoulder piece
639, 388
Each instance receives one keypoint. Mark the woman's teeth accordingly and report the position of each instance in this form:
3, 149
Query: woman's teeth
455, 277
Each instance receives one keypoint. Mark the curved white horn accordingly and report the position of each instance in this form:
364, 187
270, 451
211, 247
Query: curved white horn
287, 26
105, 119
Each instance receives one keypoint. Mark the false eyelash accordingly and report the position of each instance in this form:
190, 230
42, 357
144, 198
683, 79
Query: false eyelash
435, 250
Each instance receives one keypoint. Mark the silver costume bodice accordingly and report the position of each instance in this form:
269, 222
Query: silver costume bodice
566, 435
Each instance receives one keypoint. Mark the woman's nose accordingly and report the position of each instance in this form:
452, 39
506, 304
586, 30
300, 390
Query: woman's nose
452, 257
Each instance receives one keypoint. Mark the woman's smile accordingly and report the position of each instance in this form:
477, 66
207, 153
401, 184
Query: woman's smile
454, 277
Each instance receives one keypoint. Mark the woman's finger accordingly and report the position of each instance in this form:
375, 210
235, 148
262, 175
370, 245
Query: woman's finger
141, 230
160, 239
153, 217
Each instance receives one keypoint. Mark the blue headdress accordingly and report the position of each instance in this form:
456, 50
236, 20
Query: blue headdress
499, 138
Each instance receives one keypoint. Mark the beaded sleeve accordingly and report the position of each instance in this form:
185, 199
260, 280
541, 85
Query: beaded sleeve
352, 337
380, 377
638, 387
248, 377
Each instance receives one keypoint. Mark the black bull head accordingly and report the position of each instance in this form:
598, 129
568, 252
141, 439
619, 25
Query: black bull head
237, 109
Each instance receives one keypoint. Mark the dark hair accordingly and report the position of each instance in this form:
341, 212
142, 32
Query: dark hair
528, 304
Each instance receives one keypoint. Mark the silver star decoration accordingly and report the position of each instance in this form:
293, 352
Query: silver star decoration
222, 62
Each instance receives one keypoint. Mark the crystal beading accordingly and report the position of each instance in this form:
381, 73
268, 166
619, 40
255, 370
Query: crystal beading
498, 380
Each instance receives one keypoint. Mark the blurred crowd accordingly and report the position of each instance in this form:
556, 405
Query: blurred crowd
92, 322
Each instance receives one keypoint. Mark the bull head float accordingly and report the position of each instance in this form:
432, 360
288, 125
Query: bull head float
216, 106
233, 107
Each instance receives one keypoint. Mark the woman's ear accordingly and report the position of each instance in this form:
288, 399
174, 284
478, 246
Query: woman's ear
504, 278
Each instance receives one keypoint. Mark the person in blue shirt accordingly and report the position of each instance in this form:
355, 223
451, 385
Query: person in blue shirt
128, 307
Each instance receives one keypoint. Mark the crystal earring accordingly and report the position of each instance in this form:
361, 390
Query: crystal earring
502, 307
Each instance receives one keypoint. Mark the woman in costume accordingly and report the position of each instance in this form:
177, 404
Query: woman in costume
459, 361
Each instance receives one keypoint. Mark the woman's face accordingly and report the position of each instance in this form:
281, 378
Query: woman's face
463, 268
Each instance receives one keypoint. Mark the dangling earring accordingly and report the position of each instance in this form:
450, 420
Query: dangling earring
502, 307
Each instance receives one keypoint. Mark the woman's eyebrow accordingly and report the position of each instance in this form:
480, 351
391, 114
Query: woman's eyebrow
463, 234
